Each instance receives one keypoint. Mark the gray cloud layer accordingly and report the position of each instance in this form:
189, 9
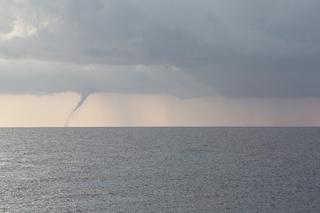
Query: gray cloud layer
243, 48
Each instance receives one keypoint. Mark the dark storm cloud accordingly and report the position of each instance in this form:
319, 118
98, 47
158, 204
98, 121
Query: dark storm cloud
36, 77
238, 48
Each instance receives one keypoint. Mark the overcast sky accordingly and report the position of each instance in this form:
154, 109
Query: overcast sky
248, 49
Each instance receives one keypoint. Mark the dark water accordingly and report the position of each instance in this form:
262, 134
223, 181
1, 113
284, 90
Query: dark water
160, 170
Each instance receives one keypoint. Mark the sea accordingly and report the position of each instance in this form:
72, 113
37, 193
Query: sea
160, 170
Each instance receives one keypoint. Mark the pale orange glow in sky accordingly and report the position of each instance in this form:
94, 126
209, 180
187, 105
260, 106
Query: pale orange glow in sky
155, 110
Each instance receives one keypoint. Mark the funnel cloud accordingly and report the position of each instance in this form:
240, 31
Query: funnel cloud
82, 100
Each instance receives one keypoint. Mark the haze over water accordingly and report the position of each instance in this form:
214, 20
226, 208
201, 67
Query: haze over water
160, 170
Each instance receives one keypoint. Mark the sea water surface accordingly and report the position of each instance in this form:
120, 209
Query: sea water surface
160, 170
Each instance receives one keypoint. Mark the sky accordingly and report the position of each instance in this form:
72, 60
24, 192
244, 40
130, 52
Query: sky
159, 63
